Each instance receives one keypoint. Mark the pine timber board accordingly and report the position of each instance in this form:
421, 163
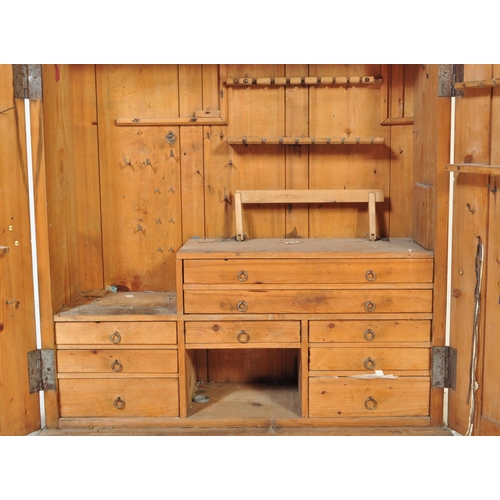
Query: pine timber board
296, 162
474, 168
490, 395
19, 410
470, 220
337, 248
102, 305
347, 166
268, 430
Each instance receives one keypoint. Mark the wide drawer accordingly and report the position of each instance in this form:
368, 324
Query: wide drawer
116, 333
122, 361
242, 332
369, 358
307, 301
320, 271
373, 331
347, 397
119, 397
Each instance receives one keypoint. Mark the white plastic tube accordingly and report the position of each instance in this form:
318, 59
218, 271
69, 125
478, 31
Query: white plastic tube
34, 255
450, 242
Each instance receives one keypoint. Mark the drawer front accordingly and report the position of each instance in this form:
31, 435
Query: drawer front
242, 332
347, 397
122, 361
119, 397
307, 301
116, 333
320, 271
372, 332
369, 358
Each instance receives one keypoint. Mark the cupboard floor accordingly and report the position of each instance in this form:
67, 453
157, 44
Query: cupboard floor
328, 431
238, 400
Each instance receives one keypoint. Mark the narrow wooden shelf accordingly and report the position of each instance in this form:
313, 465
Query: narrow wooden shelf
304, 80
477, 84
402, 120
158, 122
306, 140
474, 168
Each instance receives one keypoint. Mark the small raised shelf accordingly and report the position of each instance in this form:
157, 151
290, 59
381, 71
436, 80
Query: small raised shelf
305, 140
474, 168
200, 117
477, 84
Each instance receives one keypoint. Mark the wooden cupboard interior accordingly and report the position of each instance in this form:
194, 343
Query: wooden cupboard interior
138, 167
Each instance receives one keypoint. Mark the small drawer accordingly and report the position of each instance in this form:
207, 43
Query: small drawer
242, 332
368, 358
116, 333
119, 397
307, 301
122, 361
370, 331
311, 271
347, 397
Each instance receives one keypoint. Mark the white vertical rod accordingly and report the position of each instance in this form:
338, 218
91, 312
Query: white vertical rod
34, 255
450, 245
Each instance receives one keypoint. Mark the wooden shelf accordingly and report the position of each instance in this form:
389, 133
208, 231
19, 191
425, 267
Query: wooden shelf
200, 117
474, 168
402, 120
306, 140
477, 84
304, 80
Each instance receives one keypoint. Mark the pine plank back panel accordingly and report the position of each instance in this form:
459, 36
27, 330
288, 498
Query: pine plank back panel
140, 176
346, 111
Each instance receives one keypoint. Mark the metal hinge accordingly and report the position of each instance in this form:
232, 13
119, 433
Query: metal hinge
444, 367
449, 74
42, 373
27, 81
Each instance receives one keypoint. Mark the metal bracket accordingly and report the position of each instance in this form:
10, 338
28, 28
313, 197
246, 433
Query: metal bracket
42, 373
444, 367
27, 81
449, 74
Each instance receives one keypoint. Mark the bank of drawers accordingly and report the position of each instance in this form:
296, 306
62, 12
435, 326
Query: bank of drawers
378, 303
343, 353
117, 369
281, 286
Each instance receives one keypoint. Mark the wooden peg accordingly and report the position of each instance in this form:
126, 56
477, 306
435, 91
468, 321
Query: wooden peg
263, 81
295, 80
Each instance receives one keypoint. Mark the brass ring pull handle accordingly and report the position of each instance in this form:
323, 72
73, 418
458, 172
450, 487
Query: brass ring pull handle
119, 404
242, 306
369, 334
242, 275
370, 306
369, 364
116, 366
370, 275
370, 403
115, 337
243, 337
